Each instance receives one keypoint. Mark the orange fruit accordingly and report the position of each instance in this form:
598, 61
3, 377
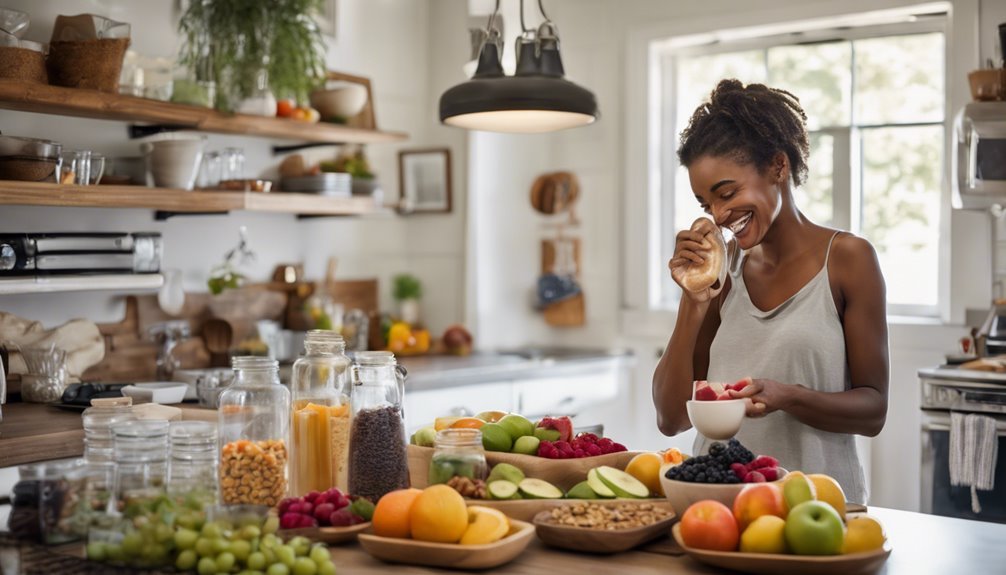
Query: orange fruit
468, 423
391, 514
444, 422
439, 515
485, 525
646, 468
673, 455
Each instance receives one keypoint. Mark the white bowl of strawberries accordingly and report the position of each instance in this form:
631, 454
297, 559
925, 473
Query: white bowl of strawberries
713, 412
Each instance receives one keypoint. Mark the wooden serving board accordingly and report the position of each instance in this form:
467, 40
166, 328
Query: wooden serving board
563, 473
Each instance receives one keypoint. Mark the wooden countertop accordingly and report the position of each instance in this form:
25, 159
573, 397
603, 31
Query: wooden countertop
922, 544
32, 432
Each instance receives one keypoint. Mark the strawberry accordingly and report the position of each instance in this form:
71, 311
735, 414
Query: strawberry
770, 473
763, 461
754, 477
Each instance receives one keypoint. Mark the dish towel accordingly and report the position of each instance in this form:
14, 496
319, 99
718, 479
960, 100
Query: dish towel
974, 449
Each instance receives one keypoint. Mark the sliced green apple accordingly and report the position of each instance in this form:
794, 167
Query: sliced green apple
502, 489
539, 489
621, 483
598, 486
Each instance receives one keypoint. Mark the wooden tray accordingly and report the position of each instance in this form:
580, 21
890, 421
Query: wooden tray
450, 555
563, 473
775, 564
587, 540
329, 535
526, 509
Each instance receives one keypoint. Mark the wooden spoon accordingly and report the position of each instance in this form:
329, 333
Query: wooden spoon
218, 335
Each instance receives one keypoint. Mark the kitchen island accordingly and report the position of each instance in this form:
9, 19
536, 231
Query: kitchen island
922, 545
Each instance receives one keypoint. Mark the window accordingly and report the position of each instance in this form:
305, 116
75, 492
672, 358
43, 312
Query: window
874, 98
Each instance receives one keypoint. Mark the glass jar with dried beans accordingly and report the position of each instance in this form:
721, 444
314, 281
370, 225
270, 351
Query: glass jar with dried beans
378, 461
253, 427
319, 451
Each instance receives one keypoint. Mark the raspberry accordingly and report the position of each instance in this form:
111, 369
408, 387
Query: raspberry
587, 437
770, 473
562, 445
310, 497
593, 450
739, 470
754, 477
604, 443
578, 453
616, 447
763, 461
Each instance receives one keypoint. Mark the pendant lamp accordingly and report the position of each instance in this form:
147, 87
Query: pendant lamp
537, 98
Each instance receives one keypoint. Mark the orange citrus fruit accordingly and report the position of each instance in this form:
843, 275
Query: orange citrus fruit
391, 514
468, 423
485, 525
646, 468
439, 514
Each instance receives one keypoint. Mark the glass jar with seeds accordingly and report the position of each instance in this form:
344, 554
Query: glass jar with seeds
378, 462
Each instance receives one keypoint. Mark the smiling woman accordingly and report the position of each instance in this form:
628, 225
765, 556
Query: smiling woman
802, 312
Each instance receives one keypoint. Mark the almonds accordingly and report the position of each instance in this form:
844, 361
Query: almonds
609, 517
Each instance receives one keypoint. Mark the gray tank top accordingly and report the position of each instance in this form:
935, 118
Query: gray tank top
799, 342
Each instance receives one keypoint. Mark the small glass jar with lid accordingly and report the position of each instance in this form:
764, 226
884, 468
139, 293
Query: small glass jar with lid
194, 459
458, 453
319, 451
141, 460
253, 426
45, 499
378, 461
99, 451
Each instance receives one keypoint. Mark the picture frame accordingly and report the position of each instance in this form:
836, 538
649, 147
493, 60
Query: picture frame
425, 181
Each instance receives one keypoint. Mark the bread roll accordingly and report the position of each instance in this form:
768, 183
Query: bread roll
698, 277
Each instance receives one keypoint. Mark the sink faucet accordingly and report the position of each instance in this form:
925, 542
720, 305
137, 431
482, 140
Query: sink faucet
168, 335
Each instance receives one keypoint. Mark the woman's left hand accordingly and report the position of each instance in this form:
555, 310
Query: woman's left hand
764, 395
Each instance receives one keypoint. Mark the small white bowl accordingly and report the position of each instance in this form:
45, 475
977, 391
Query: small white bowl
718, 420
339, 101
164, 392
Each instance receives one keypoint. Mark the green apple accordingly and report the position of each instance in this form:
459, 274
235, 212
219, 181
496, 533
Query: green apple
598, 486
501, 489
797, 488
516, 426
546, 434
495, 437
527, 444
425, 436
506, 472
539, 489
621, 483
581, 490
814, 528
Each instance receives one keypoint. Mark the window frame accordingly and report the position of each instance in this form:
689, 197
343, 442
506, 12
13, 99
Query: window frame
642, 303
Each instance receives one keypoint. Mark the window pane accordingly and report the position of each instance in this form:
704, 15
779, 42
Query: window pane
899, 79
814, 198
820, 76
902, 168
698, 75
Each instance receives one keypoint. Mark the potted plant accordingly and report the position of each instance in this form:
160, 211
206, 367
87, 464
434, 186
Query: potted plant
407, 291
247, 49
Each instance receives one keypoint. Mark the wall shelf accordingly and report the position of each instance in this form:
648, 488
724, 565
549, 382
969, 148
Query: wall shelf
176, 201
56, 100
51, 284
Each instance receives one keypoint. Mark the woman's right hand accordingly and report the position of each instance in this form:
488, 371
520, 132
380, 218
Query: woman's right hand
690, 250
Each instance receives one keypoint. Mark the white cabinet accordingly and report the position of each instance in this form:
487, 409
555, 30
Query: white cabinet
422, 407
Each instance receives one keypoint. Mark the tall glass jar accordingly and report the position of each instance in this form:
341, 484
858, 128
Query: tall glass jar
192, 469
141, 460
99, 452
458, 453
378, 461
319, 452
254, 419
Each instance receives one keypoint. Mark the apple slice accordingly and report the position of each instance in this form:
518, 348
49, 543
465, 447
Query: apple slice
539, 489
622, 484
599, 486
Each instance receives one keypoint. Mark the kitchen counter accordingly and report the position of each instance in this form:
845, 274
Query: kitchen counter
443, 371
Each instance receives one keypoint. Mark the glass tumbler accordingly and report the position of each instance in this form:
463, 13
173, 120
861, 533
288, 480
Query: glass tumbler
46, 377
233, 164
96, 169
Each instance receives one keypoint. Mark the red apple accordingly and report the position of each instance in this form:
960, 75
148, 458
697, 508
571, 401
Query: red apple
758, 499
709, 524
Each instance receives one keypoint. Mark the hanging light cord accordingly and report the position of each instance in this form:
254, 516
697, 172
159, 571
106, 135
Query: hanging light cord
541, 8
492, 18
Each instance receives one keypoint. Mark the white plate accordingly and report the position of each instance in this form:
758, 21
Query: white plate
157, 392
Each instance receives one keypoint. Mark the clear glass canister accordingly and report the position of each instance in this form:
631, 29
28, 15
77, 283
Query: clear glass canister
253, 425
99, 455
378, 461
141, 461
458, 453
192, 469
44, 499
319, 452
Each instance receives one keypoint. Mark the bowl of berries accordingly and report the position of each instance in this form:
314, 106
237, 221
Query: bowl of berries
719, 475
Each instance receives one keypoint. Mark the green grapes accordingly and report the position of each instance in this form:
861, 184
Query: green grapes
187, 560
304, 566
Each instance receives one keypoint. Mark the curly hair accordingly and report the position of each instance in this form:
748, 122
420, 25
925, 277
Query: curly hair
750, 124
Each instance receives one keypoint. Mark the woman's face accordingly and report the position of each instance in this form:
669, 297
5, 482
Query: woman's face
737, 196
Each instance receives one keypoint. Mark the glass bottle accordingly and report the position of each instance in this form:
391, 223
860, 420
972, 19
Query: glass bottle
192, 469
319, 451
254, 419
141, 460
378, 461
458, 453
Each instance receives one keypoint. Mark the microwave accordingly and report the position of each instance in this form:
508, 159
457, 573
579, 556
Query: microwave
979, 157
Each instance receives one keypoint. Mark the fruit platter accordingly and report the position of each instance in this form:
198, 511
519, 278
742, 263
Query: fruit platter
435, 526
732, 516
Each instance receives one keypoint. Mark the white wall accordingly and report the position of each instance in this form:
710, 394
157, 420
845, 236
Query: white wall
595, 38
392, 43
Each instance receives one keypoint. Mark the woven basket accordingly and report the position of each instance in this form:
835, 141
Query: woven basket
23, 65
90, 64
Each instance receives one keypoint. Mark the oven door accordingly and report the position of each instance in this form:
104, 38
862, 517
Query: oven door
938, 496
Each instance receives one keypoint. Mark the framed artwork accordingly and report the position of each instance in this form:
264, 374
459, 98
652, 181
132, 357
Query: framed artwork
425, 180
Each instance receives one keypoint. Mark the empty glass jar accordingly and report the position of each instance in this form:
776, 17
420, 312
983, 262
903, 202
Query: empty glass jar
192, 469
141, 460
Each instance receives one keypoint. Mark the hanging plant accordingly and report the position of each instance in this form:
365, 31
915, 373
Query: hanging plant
232, 41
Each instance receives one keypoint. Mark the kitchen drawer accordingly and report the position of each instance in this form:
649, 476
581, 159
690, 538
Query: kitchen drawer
566, 395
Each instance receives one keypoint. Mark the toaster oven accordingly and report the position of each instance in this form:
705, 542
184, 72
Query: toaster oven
979, 158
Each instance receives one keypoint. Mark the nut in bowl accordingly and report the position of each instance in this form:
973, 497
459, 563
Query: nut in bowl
716, 419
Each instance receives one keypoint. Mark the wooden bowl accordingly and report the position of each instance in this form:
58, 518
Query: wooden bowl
328, 535
526, 509
587, 540
451, 555
563, 473
777, 564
